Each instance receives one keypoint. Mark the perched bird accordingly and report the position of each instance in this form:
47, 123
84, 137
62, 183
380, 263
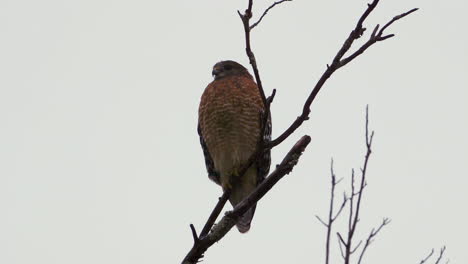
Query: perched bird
230, 120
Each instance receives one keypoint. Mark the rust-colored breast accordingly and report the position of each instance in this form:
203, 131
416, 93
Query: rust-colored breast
229, 119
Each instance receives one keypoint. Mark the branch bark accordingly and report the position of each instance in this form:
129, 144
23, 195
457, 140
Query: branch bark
338, 62
353, 200
266, 11
331, 215
354, 218
230, 218
439, 258
371, 236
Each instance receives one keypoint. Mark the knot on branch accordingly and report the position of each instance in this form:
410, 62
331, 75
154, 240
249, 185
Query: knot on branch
359, 32
248, 14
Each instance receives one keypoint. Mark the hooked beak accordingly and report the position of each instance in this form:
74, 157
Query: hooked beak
216, 71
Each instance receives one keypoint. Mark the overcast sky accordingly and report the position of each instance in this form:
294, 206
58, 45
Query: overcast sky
99, 155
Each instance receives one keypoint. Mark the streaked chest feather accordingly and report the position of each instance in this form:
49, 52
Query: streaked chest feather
230, 121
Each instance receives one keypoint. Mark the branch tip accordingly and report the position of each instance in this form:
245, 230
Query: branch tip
194, 234
266, 11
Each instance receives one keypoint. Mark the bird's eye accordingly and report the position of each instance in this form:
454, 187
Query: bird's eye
227, 67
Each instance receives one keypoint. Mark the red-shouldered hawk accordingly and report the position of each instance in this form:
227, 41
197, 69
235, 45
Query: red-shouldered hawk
229, 124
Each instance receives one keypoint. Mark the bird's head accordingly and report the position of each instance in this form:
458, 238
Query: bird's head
228, 68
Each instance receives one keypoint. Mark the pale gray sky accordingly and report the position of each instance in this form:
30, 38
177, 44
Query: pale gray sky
100, 160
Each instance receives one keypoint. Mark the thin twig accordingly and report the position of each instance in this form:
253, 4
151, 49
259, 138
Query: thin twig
354, 219
342, 206
266, 11
349, 240
356, 247
331, 218
321, 221
427, 258
377, 35
354, 202
253, 62
337, 63
248, 49
340, 243
371, 236
441, 254
194, 234
439, 258
330, 213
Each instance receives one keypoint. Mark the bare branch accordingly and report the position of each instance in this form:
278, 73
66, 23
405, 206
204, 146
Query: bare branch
371, 236
355, 248
194, 234
439, 258
351, 201
375, 37
363, 172
355, 200
427, 258
215, 213
441, 254
343, 204
230, 218
337, 63
340, 243
248, 49
331, 218
266, 11
340, 239
330, 214
321, 221
396, 18
270, 98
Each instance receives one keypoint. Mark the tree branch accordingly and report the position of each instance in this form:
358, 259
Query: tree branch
427, 258
354, 217
331, 218
230, 218
246, 22
339, 62
441, 254
215, 213
266, 11
371, 236
439, 258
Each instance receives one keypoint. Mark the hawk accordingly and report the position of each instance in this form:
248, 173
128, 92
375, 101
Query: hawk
230, 120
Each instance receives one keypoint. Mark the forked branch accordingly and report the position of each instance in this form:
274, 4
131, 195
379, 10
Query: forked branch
439, 258
338, 62
332, 216
266, 11
201, 244
371, 236
353, 201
